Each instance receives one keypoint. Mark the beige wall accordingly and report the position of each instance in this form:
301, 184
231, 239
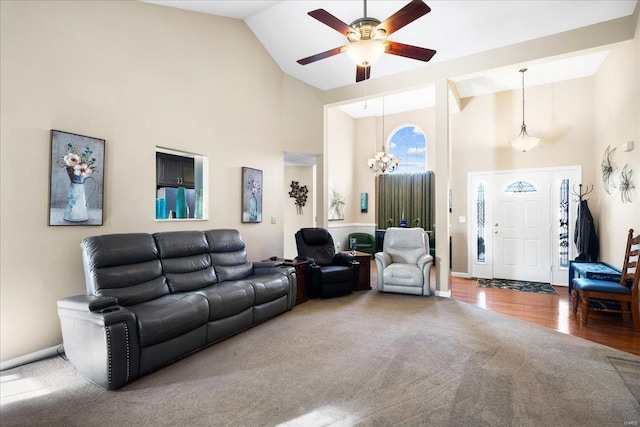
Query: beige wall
560, 113
617, 120
293, 221
137, 75
340, 169
368, 140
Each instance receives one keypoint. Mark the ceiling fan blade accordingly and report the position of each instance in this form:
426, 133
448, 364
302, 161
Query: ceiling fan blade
321, 55
330, 20
409, 51
362, 73
404, 16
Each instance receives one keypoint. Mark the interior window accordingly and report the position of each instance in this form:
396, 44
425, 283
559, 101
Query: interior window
180, 192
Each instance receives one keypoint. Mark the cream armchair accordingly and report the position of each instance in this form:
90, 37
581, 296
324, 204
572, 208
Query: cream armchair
405, 263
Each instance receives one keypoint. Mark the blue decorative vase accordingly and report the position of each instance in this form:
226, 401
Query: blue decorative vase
198, 208
76, 208
253, 208
161, 208
181, 204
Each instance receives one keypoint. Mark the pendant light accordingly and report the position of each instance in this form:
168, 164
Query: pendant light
523, 141
383, 162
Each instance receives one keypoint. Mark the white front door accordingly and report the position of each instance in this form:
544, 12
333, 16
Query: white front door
517, 234
521, 226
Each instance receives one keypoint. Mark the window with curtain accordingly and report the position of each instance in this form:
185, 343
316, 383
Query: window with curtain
408, 194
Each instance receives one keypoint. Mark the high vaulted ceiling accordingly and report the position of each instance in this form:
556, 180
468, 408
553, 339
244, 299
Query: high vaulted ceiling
453, 28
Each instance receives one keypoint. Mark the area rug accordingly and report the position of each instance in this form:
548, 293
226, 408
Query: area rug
517, 285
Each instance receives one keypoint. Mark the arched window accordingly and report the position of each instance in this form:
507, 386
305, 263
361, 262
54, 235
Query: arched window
409, 144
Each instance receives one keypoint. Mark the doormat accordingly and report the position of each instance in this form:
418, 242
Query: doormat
517, 285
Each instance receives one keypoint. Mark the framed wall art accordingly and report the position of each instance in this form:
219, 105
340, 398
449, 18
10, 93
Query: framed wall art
251, 195
76, 180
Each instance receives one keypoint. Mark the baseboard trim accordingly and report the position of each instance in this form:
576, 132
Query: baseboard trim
446, 294
461, 275
30, 358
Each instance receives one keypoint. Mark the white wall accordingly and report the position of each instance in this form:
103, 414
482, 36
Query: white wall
139, 76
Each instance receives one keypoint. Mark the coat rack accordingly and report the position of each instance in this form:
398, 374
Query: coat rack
579, 194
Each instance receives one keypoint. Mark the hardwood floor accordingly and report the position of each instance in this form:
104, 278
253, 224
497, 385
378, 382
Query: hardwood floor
551, 311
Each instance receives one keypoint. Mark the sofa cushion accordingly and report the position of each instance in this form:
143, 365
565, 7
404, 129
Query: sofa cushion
185, 260
337, 273
403, 275
405, 245
316, 243
169, 316
233, 272
269, 287
228, 298
228, 254
594, 285
195, 280
177, 244
125, 266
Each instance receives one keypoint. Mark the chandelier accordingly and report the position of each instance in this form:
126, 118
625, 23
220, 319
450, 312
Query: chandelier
523, 141
383, 162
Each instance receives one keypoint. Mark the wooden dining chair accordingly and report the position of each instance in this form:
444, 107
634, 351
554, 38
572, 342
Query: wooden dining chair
624, 292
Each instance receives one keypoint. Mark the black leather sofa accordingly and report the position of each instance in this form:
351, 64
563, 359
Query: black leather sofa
153, 299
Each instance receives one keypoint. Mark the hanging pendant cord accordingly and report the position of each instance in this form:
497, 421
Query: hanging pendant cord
522, 71
383, 148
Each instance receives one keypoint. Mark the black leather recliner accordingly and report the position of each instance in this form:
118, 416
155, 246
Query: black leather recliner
331, 274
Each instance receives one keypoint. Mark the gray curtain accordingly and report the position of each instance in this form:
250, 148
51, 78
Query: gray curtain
408, 193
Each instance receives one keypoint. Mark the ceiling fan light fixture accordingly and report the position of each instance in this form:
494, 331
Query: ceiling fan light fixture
365, 52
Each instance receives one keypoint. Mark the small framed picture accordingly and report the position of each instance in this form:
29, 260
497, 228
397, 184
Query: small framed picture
251, 195
76, 181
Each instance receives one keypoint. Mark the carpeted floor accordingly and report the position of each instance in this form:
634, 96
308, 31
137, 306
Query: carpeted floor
367, 359
517, 285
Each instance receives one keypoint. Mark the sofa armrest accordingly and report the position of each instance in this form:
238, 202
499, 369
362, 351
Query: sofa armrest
343, 259
276, 267
424, 260
266, 264
383, 260
100, 339
87, 302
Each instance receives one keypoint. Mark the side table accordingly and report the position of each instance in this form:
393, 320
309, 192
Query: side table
364, 279
301, 278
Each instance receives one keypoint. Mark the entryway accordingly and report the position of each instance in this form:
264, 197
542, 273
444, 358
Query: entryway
520, 223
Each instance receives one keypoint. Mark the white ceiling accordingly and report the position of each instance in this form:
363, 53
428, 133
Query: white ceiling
453, 28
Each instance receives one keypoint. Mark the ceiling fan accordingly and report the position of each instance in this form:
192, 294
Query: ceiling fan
367, 37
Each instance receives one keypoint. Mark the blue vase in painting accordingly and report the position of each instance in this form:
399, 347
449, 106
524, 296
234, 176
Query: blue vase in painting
253, 208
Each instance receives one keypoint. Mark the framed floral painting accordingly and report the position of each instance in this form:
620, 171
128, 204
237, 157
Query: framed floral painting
251, 195
76, 181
